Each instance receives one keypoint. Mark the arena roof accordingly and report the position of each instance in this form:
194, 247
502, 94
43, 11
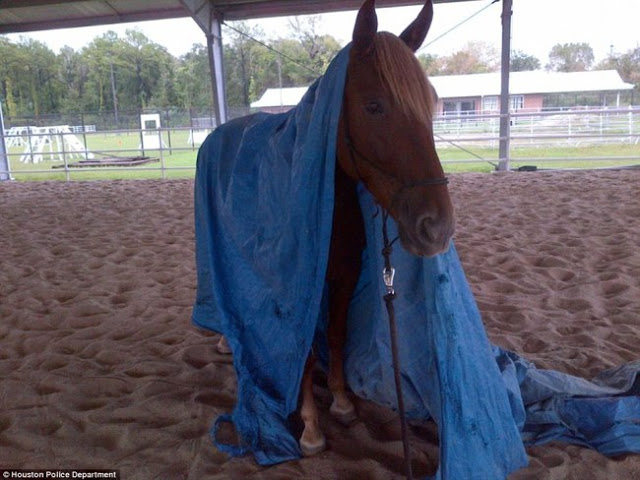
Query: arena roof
32, 15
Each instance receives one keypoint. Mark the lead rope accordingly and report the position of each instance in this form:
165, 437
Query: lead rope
387, 275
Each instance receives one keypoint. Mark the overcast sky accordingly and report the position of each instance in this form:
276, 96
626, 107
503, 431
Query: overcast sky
537, 25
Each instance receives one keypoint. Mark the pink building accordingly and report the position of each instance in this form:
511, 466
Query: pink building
480, 93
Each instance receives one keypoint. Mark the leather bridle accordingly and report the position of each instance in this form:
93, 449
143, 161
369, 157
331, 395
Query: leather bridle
354, 152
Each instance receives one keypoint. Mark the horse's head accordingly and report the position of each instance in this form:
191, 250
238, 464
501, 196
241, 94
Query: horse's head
385, 134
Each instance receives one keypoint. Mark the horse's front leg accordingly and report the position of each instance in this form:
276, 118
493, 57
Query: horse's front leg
340, 292
345, 262
312, 440
223, 346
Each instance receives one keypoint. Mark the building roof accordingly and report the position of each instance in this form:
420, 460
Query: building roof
486, 84
276, 97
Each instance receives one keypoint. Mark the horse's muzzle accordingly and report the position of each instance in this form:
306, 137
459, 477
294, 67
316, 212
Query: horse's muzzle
425, 228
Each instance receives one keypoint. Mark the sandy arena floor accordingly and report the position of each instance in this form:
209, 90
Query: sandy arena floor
100, 366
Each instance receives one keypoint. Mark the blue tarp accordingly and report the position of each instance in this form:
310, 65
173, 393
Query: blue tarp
263, 213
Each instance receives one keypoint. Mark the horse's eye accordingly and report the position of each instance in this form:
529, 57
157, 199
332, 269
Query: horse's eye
374, 108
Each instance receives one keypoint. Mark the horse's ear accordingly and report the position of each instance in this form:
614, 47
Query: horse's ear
415, 33
366, 27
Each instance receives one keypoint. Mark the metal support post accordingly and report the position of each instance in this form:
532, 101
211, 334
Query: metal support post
505, 120
209, 20
214, 47
5, 171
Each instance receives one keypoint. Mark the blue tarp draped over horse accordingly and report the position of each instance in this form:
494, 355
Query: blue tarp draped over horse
263, 213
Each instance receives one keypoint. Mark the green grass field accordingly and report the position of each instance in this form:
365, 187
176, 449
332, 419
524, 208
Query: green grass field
179, 160
455, 160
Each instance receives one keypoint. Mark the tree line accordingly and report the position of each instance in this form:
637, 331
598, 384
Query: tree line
131, 72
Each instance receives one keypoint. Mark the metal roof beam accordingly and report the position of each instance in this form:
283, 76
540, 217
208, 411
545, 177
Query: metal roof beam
277, 8
52, 24
34, 3
22, 15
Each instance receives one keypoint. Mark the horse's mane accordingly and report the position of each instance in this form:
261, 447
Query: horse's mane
403, 76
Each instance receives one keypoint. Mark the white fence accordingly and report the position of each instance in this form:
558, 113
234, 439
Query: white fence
37, 153
569, 127
583, 130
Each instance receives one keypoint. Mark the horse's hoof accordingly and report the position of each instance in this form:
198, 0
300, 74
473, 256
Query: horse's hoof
313, 448
345, 416
223, 346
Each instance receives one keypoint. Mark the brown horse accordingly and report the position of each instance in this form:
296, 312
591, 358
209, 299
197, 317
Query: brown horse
385, 140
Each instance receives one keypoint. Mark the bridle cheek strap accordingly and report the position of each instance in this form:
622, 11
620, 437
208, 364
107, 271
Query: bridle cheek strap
354, 152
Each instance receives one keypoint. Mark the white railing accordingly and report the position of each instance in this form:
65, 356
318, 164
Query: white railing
64, 151
54, 151
570, 127
584, 133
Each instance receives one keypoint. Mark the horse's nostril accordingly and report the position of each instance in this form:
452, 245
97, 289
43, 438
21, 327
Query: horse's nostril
428, 235
425, 227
